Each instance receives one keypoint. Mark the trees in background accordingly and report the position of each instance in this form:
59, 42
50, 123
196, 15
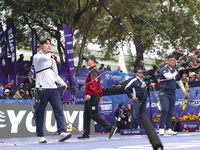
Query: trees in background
156, 25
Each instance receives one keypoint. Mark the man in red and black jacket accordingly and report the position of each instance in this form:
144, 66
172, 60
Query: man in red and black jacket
93, 95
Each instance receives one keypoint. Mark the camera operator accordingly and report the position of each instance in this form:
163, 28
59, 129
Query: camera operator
136, 90
169, 77
46, 79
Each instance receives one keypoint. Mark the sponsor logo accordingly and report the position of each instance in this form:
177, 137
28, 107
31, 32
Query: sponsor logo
11, 40
68, 35
70, 51
2, 119
16, 119
70, 60
190, 126
68, 43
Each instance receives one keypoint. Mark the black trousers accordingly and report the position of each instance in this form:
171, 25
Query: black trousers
91, 112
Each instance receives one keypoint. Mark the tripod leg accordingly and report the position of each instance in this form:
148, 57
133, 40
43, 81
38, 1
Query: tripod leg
73, 126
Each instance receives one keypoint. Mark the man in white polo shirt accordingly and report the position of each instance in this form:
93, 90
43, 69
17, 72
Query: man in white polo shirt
46, 79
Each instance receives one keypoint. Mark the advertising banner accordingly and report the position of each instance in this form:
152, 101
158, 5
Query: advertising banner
16, 121
69, 59
34, 41
3, 58
10, 37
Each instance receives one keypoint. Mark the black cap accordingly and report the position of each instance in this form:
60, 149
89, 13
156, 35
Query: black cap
92, 57
44, 40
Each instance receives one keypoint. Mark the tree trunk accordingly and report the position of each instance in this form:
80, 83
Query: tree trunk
139, 55
81, 52
87, 28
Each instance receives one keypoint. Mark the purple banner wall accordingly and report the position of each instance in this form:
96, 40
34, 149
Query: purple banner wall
69, 59
3, 58
107, 109
34, 41
10, 37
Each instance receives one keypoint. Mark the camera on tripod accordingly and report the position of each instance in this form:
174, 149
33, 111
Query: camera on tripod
150, 79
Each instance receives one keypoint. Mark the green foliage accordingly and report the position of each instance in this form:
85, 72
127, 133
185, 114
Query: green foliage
157, 25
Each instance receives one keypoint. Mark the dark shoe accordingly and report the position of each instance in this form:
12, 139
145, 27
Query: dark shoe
83, 137
112, 132
64, 136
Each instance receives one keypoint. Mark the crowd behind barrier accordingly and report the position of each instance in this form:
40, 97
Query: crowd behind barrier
19, 86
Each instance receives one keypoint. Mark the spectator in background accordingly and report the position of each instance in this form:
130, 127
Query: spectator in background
129, 115
21, 89
102, 67
178, 53
197, 52
29, 82
21, 57
27, 95
198, 58
119, 69
198, 74
30, 61
26, 69
190, 65
193, 77
198, 64
154, 72
191, 57
184, 78
141, 66
195, 64
120, 117
6, 95
9, 83
17, 95
84, 66
1, 89
108, 68
9, 87
183, 64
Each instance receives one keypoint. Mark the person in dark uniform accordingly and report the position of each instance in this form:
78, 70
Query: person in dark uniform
169, 77
46, 79
136, 90
121, 117
29, 82
129, 115
93, 95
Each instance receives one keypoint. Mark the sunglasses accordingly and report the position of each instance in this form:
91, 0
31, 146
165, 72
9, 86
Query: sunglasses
86, 59
139, 72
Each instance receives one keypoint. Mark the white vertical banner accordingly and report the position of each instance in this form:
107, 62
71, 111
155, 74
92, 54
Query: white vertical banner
121, 61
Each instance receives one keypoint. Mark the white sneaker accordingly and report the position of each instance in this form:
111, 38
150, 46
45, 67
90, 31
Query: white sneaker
64, 136
42, 140
170, 132
161, 131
